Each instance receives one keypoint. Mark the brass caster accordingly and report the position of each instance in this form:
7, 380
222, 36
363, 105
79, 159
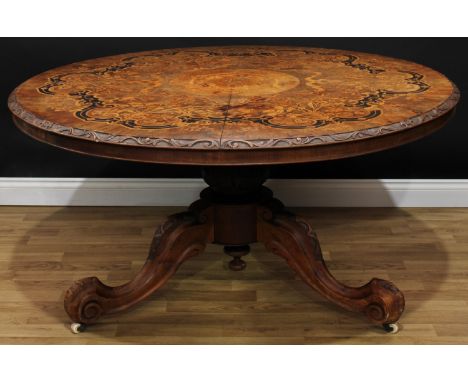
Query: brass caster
76, 327
392, 328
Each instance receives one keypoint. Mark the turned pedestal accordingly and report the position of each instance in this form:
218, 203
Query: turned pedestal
234, 211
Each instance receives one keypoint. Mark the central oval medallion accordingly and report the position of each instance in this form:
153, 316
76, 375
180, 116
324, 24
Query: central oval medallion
241, 82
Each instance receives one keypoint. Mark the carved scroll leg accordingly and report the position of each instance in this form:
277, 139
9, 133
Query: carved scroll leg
183, 235
293, 239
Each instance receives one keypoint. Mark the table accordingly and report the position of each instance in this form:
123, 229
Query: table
234, 111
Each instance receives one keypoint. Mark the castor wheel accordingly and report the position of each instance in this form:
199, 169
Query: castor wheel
76, 327
392, 328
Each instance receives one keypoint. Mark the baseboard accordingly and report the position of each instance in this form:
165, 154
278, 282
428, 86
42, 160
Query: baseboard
181, 192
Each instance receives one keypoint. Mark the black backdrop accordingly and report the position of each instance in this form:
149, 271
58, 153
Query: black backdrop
441, 155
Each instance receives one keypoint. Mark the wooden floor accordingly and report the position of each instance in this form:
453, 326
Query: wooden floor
43, 249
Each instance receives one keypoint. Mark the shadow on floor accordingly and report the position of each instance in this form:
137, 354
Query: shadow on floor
112, 242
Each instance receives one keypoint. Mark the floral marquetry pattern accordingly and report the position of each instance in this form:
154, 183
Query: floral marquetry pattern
223, 98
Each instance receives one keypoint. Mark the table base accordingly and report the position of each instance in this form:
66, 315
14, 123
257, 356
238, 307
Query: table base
234, 211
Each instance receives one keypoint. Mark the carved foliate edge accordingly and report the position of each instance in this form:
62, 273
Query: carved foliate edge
231, 144
172, 222
100, 137
273, 211
373, 132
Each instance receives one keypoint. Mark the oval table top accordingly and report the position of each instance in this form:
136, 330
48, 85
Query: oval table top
234, 105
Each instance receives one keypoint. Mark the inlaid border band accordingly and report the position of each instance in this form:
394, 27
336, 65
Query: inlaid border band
232, 144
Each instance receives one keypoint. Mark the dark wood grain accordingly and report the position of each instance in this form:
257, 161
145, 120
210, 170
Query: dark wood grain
234, 105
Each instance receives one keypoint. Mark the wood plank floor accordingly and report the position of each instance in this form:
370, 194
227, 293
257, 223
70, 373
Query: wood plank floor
423, 250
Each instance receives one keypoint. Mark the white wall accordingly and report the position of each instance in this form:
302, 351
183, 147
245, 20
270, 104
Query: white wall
181, 192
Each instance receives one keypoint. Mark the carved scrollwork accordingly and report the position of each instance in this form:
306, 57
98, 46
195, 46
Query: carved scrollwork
83, 301
183, 235
294, 239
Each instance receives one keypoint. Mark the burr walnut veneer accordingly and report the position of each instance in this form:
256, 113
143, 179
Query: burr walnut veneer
234, 111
